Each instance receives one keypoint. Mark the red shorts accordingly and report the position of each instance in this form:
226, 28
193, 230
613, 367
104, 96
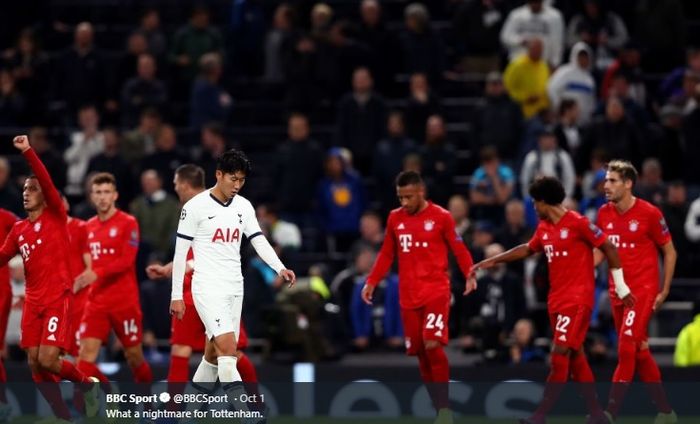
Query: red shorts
126, 323
189, 330
76, 319
569, 326
5, 306
242, 338
47, 325
633, 322
428, 322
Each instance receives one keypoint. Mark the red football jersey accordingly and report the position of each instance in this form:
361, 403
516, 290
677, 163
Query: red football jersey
42, 244
7, 221
421, 241
77, 233
568, 246
113, 245
638, 233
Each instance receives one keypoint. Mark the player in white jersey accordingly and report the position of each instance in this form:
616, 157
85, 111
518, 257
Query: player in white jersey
213, 224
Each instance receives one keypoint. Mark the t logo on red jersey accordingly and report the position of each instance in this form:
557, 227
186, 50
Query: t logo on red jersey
549, 252
226, 237
95, 248
405, 242
614, 240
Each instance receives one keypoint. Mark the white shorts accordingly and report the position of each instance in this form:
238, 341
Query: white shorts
219, 314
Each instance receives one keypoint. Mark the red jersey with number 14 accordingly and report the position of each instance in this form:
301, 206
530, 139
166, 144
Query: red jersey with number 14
113, 245
421, 241
568, 246
638, 233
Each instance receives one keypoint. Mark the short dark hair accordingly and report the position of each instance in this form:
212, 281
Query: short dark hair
625, 168
488, 153
233, 161
191, 174
548, 190
103, 178
215, 128
408, 178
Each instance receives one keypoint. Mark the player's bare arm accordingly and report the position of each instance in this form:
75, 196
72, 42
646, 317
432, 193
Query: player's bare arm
615, 266
156, 271
670, 255
515, 254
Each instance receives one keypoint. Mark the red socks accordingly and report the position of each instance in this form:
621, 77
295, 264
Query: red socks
433, 365
555, 384
70, 372
246, 369
47, 385
91, 370
623, 376
142, 373
581, 373
650, 374
3, 380
179, 371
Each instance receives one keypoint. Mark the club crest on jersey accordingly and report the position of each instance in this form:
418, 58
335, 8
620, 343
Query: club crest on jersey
113, 232
564, 233
429, 225
183, 214
634, 225
37, 227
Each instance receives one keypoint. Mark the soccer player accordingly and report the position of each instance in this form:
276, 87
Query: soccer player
567, 240
638, 230
113, 300
213, 224
41, 239
7, 221
188, 334
419, 233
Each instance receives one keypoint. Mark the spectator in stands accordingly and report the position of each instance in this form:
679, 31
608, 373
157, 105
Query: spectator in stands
687, 352
575, 81
340, 199
277, 36
85, 144
128, 64
150, 29
650, 185
388, 160
111, 160
548, 160
383, 44
675, 209
438, 155
622, 88
299, 167
300, 61
628, 63
674, 84
591, 203
141, 141
143, 91
459, 210
30, 68
81, 74
422, 103
514, 230
10, 196
536, 19
603, 30
166, 157
567, 130
691, 135
339, 55
523, 349
361, 119
477, 27
371, 234
491, 186
321, 20
599, 158
246, 37
13, 105
285, 235
499, 122
422, 48
526, 79
685, 99
209, 101
153, 210
660, 28
669, 147
615, 132
49, 155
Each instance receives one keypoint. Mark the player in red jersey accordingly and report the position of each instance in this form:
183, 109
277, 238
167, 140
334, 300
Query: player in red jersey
7, 221
420, 233
113, 300
41, 239
79, 257
638, 230
188, 334
567, 239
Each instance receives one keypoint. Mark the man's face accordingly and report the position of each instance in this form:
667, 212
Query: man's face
230, 184
32, 197
615, 187
180, 188
104, 197
298, 129
411, 197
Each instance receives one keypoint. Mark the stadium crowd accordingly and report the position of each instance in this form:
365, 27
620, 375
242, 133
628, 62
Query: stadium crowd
331, 101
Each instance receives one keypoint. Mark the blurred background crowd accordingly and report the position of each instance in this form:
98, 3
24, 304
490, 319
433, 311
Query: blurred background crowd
331, 100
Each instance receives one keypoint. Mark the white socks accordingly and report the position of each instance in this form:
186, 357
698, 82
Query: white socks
227, 369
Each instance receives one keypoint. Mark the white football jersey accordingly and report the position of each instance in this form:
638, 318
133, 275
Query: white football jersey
216, 230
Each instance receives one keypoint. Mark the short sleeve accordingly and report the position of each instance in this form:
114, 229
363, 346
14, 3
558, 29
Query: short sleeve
187, 227
590, 232
658, 228
507, 174
535, 244
251, 227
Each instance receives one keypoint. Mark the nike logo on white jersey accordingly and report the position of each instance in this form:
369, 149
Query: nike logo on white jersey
211, 217
401, 227
562, 338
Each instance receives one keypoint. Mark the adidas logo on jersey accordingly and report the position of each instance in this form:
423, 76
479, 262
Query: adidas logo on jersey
51, 337
628, 332
562, 338
545, 237
609, 226
438, 333
401, 227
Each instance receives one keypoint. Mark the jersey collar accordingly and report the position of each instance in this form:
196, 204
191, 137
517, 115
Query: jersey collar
220, 202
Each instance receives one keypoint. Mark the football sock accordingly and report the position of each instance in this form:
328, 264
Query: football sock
206, 372
142, 373
623, 376
179, 370
227, 369
3, 380
70, 372
555, 383
649, 373
440, 372
246, 369
48, 386
581, 373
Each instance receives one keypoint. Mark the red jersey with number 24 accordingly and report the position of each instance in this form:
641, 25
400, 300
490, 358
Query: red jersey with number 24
568, 246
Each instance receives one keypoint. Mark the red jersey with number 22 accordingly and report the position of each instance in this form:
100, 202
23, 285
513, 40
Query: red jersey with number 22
568, 246
638, 233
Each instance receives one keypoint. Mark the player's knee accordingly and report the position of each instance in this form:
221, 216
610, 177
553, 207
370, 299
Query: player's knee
88, 351
133, 356
644, 345
182, 351
626, 349
431, 344
46, 360
33, 361
561, 350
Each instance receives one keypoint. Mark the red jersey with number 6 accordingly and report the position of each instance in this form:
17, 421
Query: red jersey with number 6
113, 245
638, 233
568, 246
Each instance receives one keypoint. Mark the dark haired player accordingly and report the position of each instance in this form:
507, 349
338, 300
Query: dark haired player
419, 233
567, 240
